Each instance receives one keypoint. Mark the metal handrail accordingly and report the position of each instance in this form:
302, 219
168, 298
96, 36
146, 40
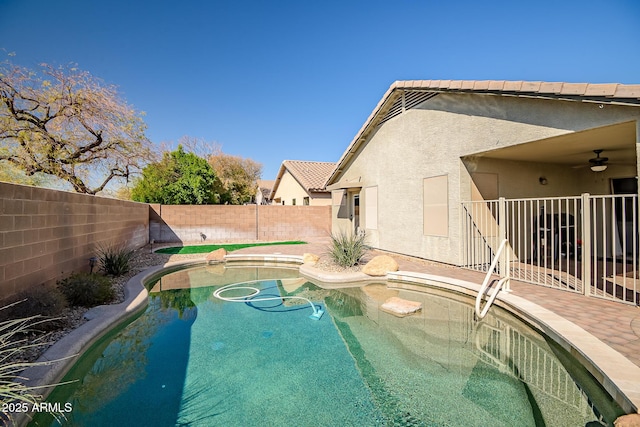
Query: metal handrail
480, 313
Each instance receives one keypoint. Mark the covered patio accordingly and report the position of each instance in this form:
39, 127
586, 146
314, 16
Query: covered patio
570, 217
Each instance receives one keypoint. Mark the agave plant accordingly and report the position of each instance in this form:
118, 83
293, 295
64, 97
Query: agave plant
347, 249
115, 260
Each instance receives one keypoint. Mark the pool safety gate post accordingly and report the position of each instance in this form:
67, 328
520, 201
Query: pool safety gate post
504, 266
586, 243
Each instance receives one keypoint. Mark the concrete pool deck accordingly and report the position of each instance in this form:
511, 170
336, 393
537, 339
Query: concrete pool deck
603, 333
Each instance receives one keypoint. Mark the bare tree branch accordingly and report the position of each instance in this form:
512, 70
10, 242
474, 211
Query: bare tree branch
64, 122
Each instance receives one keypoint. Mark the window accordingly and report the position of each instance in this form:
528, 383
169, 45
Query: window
305, 201
435, 200
293, 202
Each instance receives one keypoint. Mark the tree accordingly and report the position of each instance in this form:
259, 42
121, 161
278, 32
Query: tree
66, 123
236, 178
179, 178
10, 173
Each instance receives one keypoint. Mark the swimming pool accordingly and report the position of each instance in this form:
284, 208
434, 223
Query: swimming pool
192, 359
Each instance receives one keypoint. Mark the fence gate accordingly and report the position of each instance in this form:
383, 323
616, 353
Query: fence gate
585, 244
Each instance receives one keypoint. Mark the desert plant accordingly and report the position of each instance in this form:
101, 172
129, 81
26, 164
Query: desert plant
115, 260
15, 396
45, 301
347, 249
87, 290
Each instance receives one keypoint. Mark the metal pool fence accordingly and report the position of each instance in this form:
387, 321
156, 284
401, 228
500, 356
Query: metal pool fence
585, 244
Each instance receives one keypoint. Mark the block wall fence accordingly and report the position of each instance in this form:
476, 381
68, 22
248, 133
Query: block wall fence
217, 223
45, 234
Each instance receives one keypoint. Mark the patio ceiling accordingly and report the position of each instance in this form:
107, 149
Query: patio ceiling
576, 148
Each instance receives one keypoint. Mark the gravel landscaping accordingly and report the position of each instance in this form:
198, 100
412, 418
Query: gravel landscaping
142, 259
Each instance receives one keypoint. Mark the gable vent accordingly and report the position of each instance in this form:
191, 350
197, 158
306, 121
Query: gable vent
407, 101
395, 110
413, 99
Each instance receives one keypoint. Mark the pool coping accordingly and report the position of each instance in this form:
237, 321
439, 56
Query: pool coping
57, 360
619, 376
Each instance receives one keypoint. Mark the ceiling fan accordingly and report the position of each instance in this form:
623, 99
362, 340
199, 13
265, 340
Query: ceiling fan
598, 164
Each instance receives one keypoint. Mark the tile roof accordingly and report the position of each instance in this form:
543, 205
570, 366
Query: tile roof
603, 93
310, 175
597, 92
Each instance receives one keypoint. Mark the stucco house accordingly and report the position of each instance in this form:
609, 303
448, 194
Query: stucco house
302, 183
445, 170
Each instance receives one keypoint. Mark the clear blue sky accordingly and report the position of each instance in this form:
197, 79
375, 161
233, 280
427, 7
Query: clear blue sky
276, 80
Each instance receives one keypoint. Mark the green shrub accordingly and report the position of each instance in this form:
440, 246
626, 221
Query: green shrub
347, 249
87, 290
115, 260
44, 301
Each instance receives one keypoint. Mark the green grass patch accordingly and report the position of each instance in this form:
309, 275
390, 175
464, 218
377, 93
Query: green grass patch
203, 249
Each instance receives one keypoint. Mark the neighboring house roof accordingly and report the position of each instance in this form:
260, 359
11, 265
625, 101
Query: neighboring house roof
419, 91
265, 187
310, 175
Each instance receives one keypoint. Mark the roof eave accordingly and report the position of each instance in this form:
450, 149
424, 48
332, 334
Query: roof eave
276, 184
600, 93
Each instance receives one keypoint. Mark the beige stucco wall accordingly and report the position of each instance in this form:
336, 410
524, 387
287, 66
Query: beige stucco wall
430, 140
290, 189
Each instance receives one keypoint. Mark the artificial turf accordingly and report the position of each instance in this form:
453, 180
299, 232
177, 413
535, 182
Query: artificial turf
203, 249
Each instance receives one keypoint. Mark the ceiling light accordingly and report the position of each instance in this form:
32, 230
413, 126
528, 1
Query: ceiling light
598, 168
598, 164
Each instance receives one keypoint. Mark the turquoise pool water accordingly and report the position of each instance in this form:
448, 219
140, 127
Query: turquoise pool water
192, 359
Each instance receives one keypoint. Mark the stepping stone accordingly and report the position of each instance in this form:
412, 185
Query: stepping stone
400, 307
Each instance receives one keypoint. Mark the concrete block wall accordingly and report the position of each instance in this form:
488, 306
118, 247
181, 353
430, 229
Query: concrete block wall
202, 223
293, 222
237, 223
47, 234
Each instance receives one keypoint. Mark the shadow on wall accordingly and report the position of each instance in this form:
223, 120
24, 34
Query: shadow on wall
159, 230
343, 210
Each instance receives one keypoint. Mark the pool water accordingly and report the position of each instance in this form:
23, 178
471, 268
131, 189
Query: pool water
192, 359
